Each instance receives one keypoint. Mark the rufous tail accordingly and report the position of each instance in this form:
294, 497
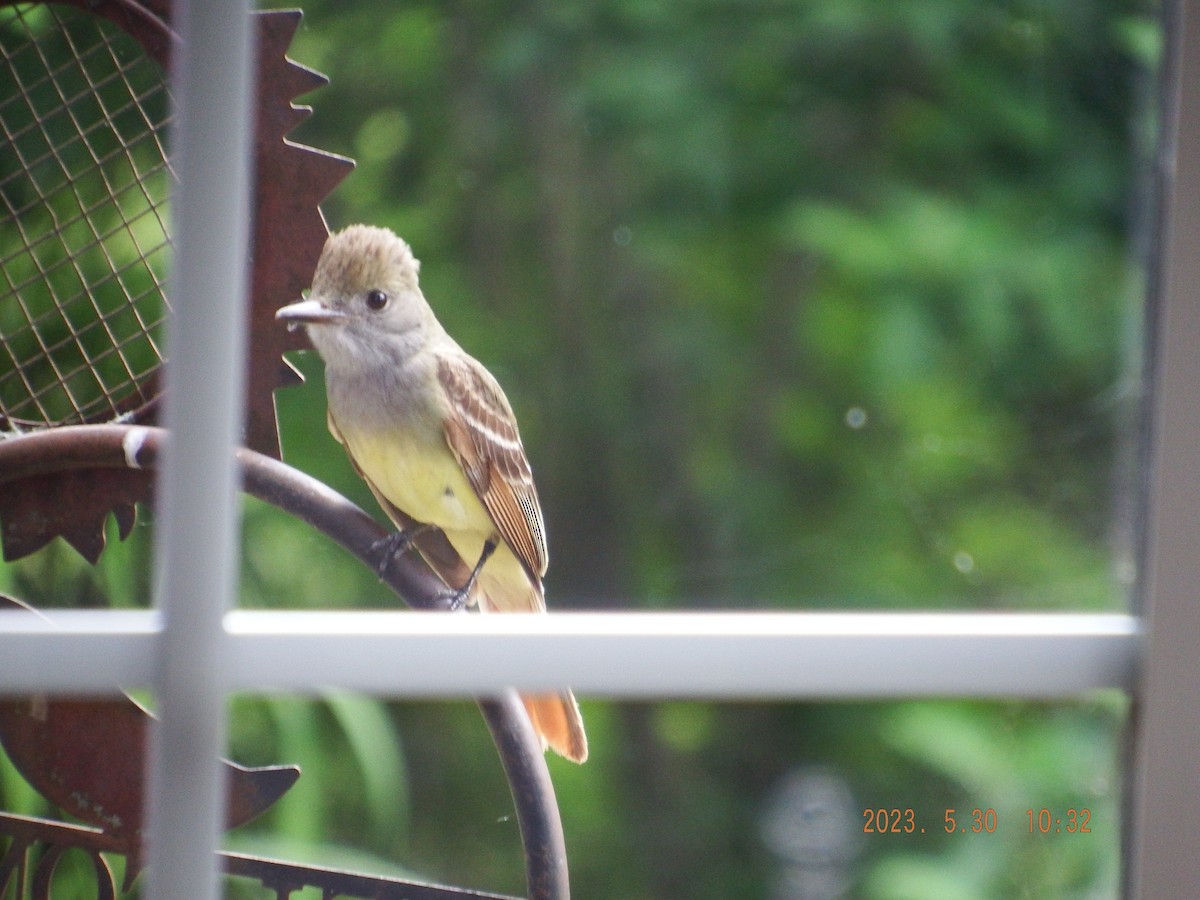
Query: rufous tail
555, 716
558, 723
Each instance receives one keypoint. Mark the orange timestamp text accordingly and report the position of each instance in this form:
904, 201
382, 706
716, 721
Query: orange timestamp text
978, 820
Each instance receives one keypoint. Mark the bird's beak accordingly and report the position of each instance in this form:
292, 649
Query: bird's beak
309, 312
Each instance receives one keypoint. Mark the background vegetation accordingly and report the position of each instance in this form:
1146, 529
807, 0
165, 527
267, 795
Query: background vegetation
801, 305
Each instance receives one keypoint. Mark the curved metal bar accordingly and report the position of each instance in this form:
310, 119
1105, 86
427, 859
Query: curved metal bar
533, 795
137, 447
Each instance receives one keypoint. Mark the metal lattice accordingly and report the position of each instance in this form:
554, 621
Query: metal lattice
84, 181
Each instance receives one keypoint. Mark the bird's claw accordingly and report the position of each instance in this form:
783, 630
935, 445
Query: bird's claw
398, 542
388, 548
456, 599
452, 600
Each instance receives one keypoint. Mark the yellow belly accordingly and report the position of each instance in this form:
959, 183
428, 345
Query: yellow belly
423, 479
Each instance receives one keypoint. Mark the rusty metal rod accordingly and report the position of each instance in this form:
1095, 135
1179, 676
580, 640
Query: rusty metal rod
138, 447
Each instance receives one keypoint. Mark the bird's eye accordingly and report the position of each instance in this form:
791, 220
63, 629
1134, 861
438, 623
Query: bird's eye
376, 300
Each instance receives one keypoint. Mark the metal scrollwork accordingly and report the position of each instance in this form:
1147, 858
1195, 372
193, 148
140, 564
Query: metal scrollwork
43, 876
26, 834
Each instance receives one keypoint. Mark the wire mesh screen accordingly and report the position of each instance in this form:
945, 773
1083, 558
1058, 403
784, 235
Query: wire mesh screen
84, 181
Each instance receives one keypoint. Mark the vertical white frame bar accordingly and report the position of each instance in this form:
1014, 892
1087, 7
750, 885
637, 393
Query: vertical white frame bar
1166, 772
197, 528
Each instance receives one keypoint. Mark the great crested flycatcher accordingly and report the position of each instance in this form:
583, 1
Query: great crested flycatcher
431, 432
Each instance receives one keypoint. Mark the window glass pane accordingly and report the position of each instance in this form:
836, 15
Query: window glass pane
786, 801
803, 306
798, 304
915, 800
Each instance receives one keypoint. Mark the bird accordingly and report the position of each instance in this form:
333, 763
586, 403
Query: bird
431, 432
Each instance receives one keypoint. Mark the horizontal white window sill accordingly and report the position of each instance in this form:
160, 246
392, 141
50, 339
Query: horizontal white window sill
716, 655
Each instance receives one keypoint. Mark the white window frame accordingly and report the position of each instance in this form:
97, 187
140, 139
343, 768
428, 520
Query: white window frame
194, 647
1165, 777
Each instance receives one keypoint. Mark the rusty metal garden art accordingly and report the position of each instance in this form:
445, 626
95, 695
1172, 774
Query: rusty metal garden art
85, 177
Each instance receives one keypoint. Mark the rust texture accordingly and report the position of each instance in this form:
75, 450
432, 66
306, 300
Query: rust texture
87, 756
72, 505
288, 232
313, 502
288, 229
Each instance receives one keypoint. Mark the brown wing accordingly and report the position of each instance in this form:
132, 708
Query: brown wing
482, 433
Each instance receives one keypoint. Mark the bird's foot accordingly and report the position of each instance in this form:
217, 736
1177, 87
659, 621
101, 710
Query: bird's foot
456, 599
453, 599
395, 544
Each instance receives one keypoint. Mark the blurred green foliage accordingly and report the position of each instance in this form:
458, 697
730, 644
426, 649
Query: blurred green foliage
800, 305
692, 238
